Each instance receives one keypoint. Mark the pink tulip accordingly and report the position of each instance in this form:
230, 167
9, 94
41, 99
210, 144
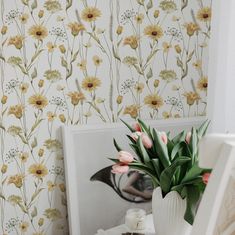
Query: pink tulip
135, 135
137, 127
205, 178
125, 157
147, 142
164, 137
188, 137
120, 169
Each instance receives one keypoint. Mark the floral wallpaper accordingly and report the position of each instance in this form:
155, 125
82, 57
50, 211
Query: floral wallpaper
67, 62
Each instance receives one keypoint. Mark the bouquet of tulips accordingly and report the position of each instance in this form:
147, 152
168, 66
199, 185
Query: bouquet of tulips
172, 163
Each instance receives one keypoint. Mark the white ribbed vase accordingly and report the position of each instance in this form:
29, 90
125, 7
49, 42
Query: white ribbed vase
168, 214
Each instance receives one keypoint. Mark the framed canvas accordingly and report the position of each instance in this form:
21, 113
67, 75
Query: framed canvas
92, 203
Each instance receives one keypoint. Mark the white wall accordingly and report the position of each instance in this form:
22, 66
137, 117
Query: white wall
221, 107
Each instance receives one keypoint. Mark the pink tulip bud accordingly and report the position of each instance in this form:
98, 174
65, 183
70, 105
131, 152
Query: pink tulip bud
205, 178
164, 137
188, 137
120, 169
136, 127
135, 135
147, 142
125, 157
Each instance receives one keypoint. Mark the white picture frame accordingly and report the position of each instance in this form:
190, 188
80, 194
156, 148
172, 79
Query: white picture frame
70, 134
217, 151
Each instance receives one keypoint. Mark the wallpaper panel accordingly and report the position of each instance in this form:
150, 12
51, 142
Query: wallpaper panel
67, 62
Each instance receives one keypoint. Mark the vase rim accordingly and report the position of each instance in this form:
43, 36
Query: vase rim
174, 193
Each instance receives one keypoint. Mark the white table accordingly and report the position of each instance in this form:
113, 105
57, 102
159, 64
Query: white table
124, 229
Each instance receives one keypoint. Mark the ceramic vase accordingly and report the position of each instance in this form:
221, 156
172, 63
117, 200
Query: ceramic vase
168, 214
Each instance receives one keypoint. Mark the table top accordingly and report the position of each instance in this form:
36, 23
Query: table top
149, 230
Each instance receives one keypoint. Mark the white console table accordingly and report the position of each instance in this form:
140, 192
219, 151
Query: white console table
124, 229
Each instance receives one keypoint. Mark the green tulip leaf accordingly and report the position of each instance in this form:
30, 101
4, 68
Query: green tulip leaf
161, 149
203, 128
193, 173
131, 139
192, 197
180, 137
146, 170
137, 151
168, 174
114, 160
194, 144
157, 167
144, 127
116, 145
176, 149
128, 126
170, 145
196, 181
142, 151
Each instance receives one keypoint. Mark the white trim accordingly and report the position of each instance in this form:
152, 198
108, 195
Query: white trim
155, 123
220, 59
73, 215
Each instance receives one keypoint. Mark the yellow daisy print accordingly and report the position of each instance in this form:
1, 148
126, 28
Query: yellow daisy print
24, 226
154, 101
166, 115
38, 101
155, 32
197, 64
139, 18
51, 46
166, 47
24, 87
204, 14
51, 116
24, 18
90, 14
51, 186
139, 87
24, 157
202, 84
97, 60
38, 32
38, 170
82, 65
91, 83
